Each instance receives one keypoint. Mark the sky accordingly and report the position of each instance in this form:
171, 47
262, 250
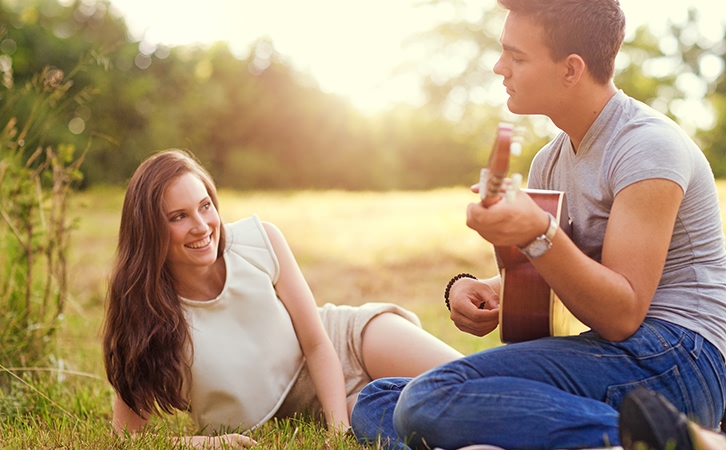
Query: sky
351, 47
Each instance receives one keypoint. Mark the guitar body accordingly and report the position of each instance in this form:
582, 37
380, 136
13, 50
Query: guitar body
528, 308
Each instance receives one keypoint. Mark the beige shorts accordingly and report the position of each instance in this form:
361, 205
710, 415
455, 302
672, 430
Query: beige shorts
344, 325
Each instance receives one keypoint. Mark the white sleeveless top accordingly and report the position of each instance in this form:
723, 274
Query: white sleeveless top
246, 354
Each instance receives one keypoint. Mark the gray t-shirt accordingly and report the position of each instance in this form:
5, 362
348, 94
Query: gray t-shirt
627, 143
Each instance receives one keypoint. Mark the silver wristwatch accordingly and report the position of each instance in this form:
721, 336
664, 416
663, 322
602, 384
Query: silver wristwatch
541, 244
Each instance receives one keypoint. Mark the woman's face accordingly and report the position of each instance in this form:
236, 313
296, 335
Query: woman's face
193, 224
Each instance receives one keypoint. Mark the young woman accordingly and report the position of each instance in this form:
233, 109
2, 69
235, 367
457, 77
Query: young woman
218, 319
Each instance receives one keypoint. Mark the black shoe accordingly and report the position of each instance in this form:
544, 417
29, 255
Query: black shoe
649, 421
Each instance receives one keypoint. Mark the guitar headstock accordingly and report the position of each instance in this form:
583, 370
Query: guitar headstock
492, 178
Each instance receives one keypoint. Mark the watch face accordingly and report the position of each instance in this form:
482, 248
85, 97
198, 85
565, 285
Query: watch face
538, 247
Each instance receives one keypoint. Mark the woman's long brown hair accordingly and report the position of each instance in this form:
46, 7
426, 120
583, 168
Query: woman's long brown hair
146, 337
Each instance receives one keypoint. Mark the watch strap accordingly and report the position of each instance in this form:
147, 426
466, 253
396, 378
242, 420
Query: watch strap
542, 243
552, 229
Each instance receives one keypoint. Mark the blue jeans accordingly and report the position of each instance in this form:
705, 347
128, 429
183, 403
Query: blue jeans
558, 392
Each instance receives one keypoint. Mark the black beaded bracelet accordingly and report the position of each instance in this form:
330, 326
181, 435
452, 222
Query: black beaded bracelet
451, 283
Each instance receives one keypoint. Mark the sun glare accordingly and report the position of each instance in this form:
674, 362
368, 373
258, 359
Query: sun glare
352, 48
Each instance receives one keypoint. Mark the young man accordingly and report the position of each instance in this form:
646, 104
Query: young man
644, 265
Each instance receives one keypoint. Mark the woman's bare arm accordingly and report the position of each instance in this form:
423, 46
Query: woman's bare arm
323, 362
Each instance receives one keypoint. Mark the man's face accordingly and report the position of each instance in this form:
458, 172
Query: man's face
533, 80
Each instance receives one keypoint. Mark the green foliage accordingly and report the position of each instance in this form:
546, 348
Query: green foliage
35, 182
257, 123
252, 119
714, 141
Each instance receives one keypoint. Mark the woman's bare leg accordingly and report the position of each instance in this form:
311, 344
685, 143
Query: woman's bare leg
704, 439
394, 347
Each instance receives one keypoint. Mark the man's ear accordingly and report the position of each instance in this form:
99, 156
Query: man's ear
575, 68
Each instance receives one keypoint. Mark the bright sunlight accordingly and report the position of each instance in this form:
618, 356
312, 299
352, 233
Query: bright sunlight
352, 48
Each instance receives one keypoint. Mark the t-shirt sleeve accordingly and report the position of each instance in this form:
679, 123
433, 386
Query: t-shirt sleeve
631, 158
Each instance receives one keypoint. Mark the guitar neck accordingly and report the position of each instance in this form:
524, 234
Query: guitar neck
493, 176
491, 187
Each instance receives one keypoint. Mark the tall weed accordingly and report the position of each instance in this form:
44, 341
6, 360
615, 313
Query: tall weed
36, 181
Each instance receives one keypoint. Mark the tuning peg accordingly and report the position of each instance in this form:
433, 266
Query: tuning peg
515, 183
515, 148
483, 183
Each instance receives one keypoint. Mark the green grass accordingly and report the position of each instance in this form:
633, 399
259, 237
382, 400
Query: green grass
397, 247
353, 248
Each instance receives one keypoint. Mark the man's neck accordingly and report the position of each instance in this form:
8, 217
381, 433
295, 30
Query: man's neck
575, 117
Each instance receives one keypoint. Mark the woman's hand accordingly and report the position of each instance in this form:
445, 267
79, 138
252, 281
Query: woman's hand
232, 440
341, 427
235, 440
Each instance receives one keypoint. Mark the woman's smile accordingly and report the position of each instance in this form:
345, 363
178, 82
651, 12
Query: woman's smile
200, 243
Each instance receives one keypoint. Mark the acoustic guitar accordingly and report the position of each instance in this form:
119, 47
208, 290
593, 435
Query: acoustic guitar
528, 308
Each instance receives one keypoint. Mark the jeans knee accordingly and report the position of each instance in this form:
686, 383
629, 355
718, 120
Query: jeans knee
412, 416
383, 391
372, 413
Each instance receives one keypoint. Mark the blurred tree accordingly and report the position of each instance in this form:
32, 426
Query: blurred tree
258, 123
44, 33
662, 71
714, 140
681, 74
706, 59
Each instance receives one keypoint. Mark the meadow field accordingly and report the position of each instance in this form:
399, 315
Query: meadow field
353, 247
